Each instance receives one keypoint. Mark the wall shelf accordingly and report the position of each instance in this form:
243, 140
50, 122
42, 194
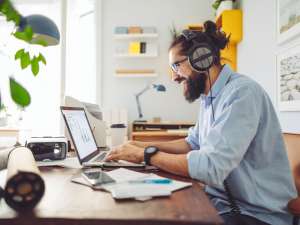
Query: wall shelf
135, 75
231, 22
135, 36
136, 55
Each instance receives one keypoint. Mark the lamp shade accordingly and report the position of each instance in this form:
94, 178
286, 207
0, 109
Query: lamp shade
43, 29
159, 87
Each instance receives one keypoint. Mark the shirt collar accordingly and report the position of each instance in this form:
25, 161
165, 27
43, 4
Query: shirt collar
220, 82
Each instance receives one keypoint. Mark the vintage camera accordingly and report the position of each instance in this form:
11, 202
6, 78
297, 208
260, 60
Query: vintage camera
48, 148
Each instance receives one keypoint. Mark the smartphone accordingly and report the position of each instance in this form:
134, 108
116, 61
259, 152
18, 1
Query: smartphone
96, 177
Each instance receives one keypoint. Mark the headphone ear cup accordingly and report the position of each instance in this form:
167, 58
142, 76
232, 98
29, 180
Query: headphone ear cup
201, 58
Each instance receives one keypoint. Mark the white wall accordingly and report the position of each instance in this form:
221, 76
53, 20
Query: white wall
118, 92
257, 53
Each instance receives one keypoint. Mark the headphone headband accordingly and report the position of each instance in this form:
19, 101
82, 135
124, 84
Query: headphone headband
189, 35
201, 55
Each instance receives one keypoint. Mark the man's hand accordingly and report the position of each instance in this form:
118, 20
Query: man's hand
127, 152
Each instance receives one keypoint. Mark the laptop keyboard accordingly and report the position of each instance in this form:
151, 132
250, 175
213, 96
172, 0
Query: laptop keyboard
100, 158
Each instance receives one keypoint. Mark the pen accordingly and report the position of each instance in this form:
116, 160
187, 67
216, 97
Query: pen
151, 181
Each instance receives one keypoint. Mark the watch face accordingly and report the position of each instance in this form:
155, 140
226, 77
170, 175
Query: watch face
151, 150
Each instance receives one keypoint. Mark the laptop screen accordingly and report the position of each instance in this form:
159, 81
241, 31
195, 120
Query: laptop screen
80, 132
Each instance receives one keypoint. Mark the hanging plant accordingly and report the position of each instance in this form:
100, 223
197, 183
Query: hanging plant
18, 93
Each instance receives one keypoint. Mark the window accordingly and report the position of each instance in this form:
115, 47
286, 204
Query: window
81, 50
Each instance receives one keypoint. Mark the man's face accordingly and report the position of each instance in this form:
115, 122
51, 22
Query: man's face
182, 72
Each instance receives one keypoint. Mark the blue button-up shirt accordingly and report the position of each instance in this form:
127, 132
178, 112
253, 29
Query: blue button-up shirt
243, 144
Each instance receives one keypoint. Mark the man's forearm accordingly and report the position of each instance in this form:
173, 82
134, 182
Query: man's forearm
174, 147
172, 163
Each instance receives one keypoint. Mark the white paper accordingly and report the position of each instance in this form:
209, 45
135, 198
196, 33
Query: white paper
125, 189
122, 174
140, 191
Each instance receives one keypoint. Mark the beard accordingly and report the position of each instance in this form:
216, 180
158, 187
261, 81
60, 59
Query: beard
194, 86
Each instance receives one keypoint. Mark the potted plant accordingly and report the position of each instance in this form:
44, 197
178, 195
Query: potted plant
221, 5
174, 32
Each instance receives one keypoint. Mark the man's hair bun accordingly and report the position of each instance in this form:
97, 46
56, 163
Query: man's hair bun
217, 36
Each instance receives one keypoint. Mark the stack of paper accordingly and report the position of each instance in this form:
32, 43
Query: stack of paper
125, 187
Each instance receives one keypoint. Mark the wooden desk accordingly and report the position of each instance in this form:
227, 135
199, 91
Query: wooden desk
157, 136
67, 203
162, 131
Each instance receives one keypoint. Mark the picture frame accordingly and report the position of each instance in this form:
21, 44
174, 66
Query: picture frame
288, 79
288, 20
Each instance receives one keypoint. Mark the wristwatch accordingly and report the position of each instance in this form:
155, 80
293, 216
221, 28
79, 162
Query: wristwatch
148, 153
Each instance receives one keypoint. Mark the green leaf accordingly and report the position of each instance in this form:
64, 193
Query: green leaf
35, 68
18, 93
42, 58
9, 11
25, 60
19, 54
29, 32
17, 19
4, 7
40, 42
21, 35
216, 4
25, 35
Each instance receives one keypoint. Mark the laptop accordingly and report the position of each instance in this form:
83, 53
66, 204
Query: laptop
84, 141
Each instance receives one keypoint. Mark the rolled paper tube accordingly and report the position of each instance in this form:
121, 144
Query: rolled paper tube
25, 187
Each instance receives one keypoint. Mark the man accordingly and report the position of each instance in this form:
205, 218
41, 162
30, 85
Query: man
236, 147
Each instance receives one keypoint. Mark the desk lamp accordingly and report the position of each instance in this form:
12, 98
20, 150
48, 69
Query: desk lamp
157, 87
44, 29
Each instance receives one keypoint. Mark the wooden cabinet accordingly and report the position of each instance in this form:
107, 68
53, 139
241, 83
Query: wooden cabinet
163, 131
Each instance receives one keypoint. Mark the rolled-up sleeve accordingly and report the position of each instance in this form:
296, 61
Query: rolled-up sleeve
193, 137
228, 139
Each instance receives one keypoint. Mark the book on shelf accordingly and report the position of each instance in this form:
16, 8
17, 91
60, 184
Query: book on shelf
121, 30
143, 48
134, 47
149, 30
134, 30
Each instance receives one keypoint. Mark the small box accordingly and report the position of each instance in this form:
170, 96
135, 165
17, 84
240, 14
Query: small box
134, 47
149, 30
134, 30
121, 30
143, 47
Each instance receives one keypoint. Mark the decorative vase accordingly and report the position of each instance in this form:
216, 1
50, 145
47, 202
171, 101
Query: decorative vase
224, 5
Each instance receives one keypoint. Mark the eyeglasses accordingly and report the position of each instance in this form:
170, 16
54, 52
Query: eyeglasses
175, 66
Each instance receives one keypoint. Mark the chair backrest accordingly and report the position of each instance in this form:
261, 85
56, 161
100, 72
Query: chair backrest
292, 142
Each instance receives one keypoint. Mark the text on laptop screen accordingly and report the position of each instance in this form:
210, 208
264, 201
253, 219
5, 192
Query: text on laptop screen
81, 132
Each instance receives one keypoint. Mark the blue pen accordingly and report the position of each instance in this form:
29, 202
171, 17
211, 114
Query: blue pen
152, 181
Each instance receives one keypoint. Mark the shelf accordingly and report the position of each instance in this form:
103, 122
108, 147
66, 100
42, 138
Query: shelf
231, 22
135, 75
136, 56
133, 36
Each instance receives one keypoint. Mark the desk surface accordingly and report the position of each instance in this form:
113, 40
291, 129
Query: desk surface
68, 203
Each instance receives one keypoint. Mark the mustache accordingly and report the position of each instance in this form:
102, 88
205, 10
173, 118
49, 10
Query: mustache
179, 79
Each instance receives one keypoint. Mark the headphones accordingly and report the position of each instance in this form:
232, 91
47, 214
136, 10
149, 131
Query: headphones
201, 56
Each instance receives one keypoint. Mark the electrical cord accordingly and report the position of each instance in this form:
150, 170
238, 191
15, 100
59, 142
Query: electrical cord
234, 208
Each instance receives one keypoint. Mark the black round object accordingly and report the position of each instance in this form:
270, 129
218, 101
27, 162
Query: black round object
24, 191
